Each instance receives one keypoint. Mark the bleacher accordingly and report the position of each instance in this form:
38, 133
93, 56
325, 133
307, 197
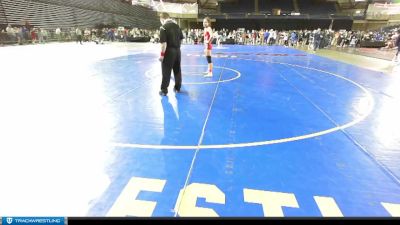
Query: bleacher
306, 8
110, 6
3, 18
280, 14
266, 6
242, 6
316, 7
73, 13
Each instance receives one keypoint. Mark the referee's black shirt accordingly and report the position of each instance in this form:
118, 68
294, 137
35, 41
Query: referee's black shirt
171, 33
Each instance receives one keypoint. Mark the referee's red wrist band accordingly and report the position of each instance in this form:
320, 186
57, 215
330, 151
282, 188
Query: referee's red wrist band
162, 53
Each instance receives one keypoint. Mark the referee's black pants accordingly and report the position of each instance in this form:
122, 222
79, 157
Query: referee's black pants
172, 61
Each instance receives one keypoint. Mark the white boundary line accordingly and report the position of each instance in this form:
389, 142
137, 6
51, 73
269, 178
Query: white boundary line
371, 104
147, 74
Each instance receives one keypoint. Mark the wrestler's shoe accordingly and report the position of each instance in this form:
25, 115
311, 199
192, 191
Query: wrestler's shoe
209, 74
176, 90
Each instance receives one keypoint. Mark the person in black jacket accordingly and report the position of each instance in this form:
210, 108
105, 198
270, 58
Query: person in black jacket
397, 43
170, 38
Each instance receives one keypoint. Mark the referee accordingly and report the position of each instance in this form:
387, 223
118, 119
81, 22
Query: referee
170, 39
